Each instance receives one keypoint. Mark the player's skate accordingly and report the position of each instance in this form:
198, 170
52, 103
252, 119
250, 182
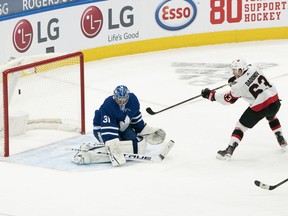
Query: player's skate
227, 153
281, 140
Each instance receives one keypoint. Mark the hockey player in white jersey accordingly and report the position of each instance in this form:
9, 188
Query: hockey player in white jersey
118, 124
249, 83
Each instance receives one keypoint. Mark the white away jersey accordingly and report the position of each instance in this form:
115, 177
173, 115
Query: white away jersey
253, 87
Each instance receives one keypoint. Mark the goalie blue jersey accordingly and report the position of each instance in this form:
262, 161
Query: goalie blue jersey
109, 120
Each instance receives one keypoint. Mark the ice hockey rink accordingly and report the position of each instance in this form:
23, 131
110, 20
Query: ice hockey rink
190, 181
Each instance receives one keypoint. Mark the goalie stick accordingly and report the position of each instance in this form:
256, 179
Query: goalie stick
269, 187
151, 112
130, 156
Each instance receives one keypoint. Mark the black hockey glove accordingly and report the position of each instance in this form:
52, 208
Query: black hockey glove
231, 80
208, 94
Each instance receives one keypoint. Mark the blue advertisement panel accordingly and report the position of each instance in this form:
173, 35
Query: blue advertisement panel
8, 7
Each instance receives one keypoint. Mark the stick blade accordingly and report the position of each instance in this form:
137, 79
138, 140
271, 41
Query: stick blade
257, 183
261, 185
150, 111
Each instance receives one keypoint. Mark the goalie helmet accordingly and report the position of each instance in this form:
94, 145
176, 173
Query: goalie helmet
121, 95
238, 67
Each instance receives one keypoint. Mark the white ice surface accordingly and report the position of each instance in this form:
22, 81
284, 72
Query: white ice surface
190, 181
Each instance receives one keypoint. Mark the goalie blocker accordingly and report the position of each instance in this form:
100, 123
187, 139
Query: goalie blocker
114, 150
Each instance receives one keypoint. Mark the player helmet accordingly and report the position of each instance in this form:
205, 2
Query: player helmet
238, 67
121, 94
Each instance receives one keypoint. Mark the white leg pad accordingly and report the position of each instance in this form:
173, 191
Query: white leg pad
82, 157
142, 146
93, 156
114, 149
99, 158
90, 156
127, 146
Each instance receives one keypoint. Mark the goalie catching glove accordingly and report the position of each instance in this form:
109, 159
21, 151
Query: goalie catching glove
154, 136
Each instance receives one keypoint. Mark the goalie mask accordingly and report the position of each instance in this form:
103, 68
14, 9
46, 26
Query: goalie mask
238, 67
121, 96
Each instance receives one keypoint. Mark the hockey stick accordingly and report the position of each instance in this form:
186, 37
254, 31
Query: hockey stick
130, 156
269, 187
151, 112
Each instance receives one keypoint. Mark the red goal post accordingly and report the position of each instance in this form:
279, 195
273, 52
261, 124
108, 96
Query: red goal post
42, 92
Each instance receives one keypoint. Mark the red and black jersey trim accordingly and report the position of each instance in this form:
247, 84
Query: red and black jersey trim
229, 98
265, 104
238, 133
274, 124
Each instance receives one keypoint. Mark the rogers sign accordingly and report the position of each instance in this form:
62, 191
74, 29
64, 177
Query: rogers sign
174, 15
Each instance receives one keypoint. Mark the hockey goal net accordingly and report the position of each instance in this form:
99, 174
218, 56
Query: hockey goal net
41, 92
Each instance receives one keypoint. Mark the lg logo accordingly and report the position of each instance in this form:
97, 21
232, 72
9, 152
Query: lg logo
23, 34
92, 20
126, 18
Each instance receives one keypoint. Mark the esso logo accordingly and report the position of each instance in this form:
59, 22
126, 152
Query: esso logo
22, 36
91, 22
175, 14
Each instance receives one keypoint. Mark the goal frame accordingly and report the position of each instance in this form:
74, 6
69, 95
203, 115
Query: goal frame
5, 74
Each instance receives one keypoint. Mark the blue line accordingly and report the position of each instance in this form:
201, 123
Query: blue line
44, 9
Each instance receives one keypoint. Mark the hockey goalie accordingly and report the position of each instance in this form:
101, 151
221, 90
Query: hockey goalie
119, 129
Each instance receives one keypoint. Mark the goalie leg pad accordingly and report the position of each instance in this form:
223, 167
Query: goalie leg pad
89, 157
127, 146
116, 155
142, 146
99, 158
93, 156
82, 157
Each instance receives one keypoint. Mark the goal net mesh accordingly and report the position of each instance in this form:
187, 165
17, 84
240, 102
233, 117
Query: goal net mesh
41, 92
